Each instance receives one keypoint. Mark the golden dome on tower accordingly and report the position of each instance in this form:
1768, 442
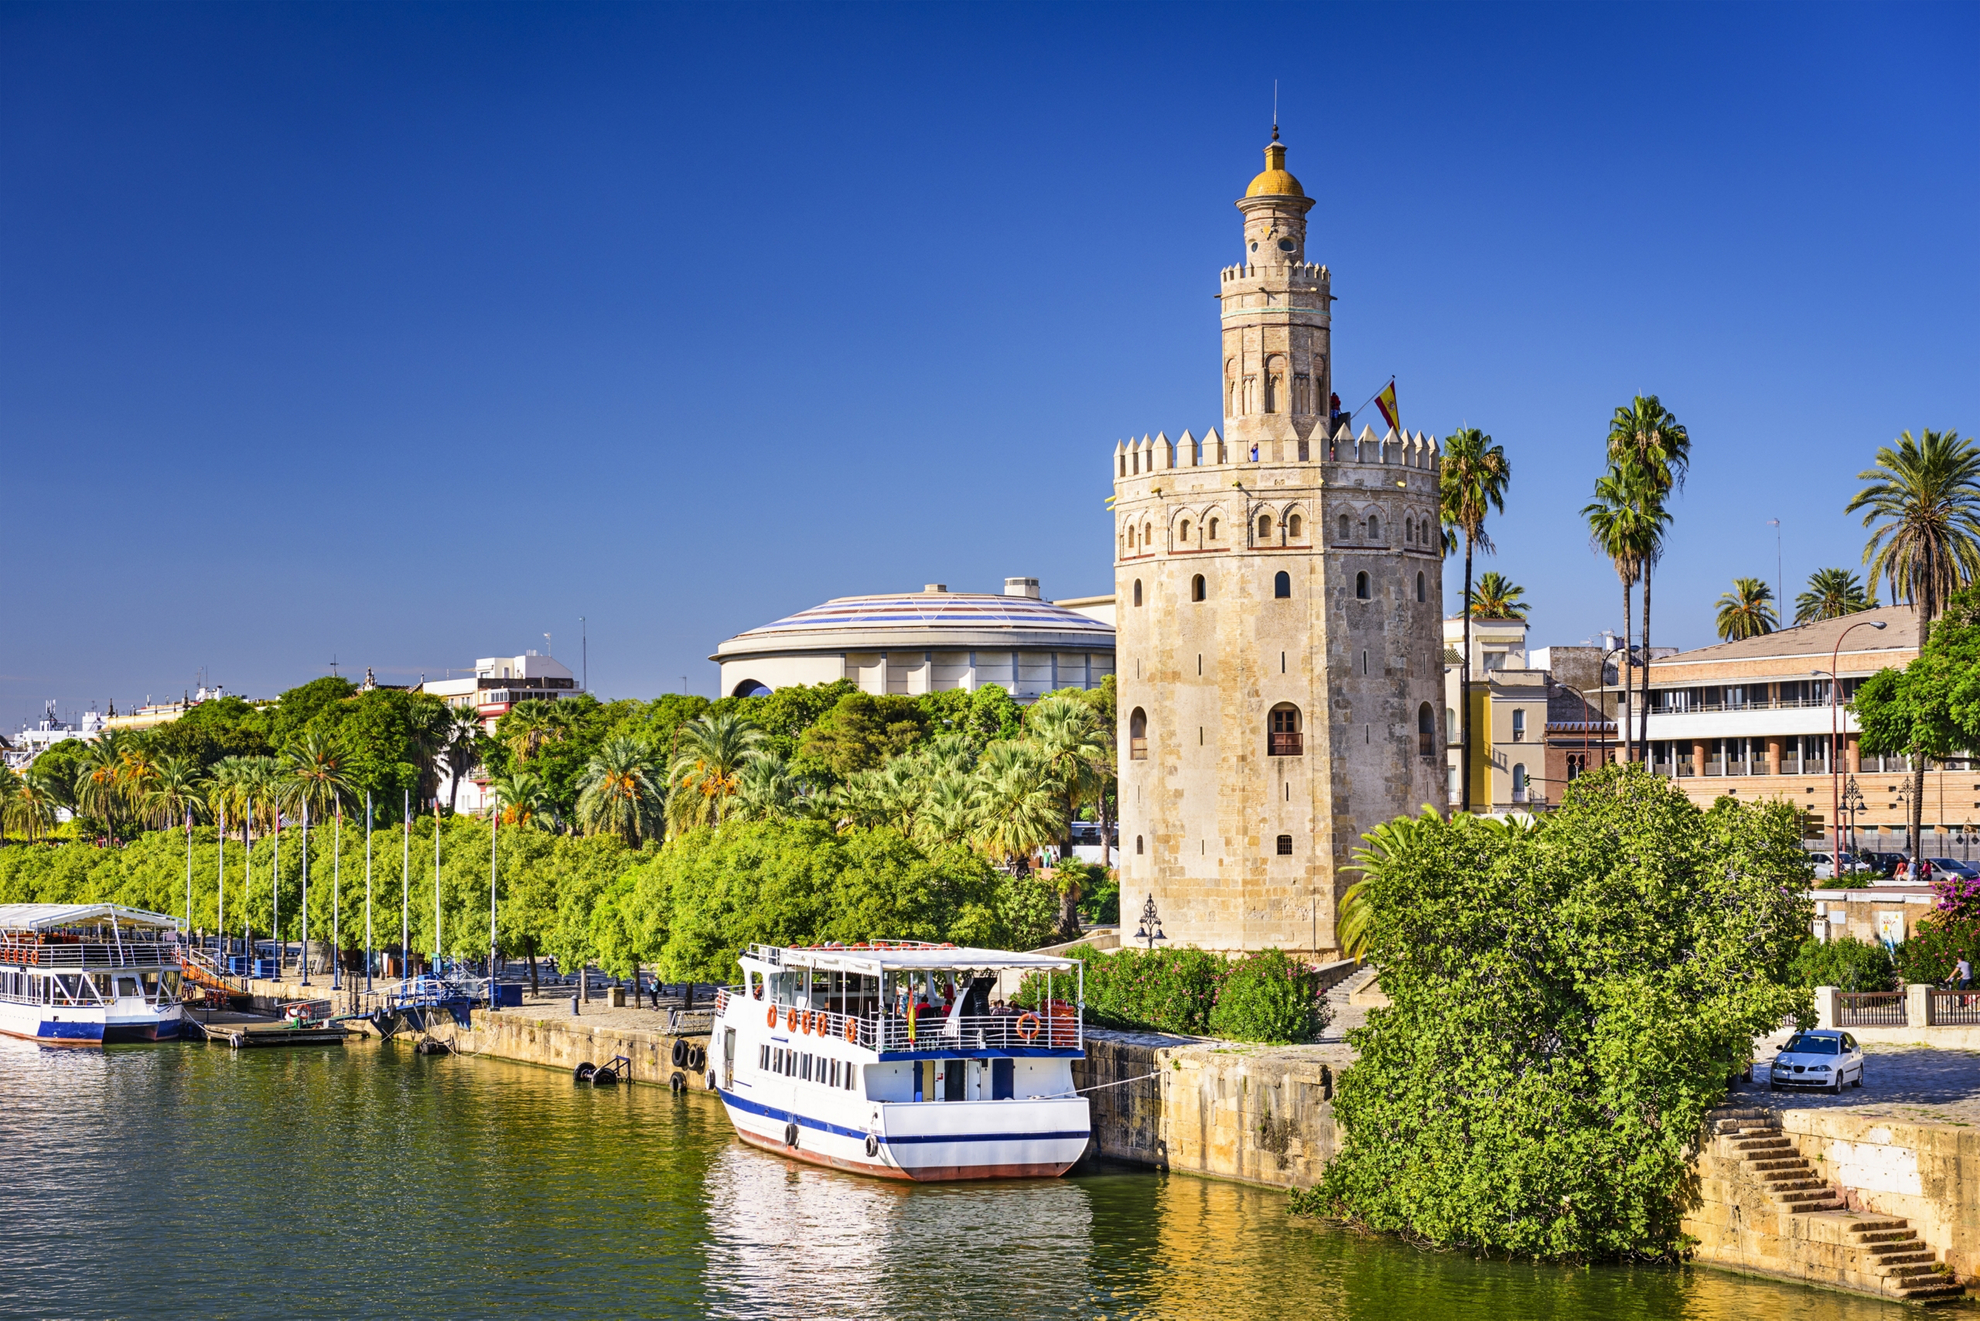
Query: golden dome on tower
1273, 181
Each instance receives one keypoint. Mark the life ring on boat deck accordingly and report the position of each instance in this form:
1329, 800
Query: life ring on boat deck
791, 1134
758, 992
772, 1020
791, 1019
852, 1029
804, 1024
872, 1145
1028, 1033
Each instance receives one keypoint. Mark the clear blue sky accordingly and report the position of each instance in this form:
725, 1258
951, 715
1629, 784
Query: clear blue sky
406, 335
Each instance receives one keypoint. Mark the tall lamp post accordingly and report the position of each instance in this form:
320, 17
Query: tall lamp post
1904, 805
1835, 768
1852, 803
1150, 929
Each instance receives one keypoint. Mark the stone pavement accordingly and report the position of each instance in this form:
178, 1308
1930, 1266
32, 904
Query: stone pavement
1915, 1083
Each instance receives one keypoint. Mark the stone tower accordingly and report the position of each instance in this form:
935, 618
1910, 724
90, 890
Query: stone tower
1279, 613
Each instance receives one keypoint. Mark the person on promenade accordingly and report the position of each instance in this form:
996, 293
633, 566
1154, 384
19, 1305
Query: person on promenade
1962, 974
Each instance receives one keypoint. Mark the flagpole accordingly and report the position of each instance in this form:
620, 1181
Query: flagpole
305, 895
188, 871
405, 888
337, 902
436, 887
367, 890
220, 886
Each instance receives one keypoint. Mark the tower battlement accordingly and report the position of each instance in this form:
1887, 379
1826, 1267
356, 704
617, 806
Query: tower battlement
1135, 458
1305, 270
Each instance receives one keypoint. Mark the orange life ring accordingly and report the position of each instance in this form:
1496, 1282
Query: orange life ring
1027, 1033
805, 1027
791, 1019
772, 1020
852, 1029
758, 992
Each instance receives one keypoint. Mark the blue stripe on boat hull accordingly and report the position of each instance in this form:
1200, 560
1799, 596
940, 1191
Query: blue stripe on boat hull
806, 1121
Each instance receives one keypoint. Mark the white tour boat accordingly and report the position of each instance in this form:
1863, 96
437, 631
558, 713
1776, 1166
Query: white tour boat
890, 1058
87, 974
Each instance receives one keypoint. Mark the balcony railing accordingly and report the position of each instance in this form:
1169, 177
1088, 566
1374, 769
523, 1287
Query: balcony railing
931, 1029
90, 954
1283, 745
1870, 1009
1955, 1008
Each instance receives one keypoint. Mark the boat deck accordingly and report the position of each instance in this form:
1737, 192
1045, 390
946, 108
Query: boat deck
243, 1031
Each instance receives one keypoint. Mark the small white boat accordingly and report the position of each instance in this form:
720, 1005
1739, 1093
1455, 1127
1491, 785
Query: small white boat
889, 1058
88, 974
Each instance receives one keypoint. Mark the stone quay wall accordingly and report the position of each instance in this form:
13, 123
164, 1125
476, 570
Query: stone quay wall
1259, 1114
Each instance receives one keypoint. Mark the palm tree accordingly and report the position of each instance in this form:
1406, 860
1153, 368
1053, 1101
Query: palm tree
101, 788
318, 774
707, 769
1647, 441
949, 811
889, 795
1018, 805
460, 744
1924, 500
1622, 526
619, 793
1747, 611
1831, 594
770, 791
10, 788
178, 787
430, 723
520, 796
32, 805
530, 724
1066, 731
1497, 597
1474, 478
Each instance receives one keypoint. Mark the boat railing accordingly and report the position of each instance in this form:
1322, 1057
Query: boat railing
90, 953
932, 1029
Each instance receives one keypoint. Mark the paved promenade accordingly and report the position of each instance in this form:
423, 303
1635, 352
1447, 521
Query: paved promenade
1914, 1083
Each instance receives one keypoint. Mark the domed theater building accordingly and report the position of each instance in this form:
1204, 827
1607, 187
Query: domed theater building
929, 641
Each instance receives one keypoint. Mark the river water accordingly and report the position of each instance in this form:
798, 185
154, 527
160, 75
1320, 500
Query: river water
193, 1181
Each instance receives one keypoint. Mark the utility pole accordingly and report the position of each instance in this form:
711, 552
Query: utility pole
585, 662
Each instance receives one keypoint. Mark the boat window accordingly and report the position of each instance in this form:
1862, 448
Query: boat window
128, 986
835, 1074
852, 1078
763, 1060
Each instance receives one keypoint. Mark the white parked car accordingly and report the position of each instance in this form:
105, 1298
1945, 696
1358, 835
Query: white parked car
1825, 1058
1824, 865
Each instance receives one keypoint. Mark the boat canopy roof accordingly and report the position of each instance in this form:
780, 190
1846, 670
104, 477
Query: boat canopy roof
53, 917
873, 958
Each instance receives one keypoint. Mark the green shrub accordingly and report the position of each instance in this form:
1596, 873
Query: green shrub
1270, 997
1846, 963
1935, 946
1169, 990
1565, 998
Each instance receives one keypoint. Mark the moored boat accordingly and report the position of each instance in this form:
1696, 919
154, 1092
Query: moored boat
895, 1058
88, 974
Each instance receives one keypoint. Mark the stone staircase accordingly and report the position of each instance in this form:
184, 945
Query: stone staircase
1856, 1249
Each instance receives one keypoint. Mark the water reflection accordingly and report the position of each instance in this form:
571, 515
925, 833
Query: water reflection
189, 1180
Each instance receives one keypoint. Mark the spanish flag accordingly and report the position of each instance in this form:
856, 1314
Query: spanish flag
1386, 401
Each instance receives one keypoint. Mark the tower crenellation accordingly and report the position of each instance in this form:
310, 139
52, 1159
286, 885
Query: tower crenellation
1279, 620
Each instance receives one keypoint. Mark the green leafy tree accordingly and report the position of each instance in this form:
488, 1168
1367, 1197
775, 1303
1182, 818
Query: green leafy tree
1497, 597
1846, 963
1831, 594
1568, 1001
1931, 708
1269, 996
1473, 481
860, 732
319, 782
1747, 611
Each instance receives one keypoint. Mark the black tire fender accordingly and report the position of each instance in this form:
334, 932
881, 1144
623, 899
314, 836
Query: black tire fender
697, 1058
872, 1146
677, 1083
583, 1072
791, 1134
711, 1080
604, 1078
680, 1052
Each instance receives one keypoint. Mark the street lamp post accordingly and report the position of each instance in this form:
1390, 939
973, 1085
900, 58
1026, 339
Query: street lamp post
1835, 780
1150, 929
1852, 802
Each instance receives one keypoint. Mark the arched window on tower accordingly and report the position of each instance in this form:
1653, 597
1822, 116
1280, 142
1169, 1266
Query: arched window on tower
1281, 585
1213, 529
1264, 526
1374, 528
1519, 782
1147, 537
1282, 733
1361, 588
1198, 589
1138, 735
1275, 383
1347, 529
1185, 532
1409, 531
1426, 731
1137, 591
1419, 587
1293, 526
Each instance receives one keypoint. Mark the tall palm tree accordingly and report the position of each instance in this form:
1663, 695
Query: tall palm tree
10, 789
1923, 506
707, 767
1018, 805
461, 743
430, 723
888, 795
520, 796
1626, 523
1831, 594
1497, 597
319, 774
102, 782
1747, 611
1647, 441
949, 811
530, 724
33, 805
1473, 483
1066, 731
620, 791
769, 790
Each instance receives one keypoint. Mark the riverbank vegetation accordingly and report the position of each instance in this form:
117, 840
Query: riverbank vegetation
1568, 999
1266, 997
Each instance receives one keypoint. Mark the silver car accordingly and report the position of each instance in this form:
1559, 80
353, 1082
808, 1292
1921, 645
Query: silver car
1824, 1058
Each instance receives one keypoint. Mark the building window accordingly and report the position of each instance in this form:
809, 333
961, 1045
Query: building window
1345, 533
1281, 585
1361, 588
1426, 731
1374, 528
1292, 526
1138, 735
1409, 531
1264, 526
1285, 846
1213, 529
1137, 591
1282, 731
1419, 587
1519, 724
1147, 536
1198, 590
1137, 845
1519, 782
1185, 532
